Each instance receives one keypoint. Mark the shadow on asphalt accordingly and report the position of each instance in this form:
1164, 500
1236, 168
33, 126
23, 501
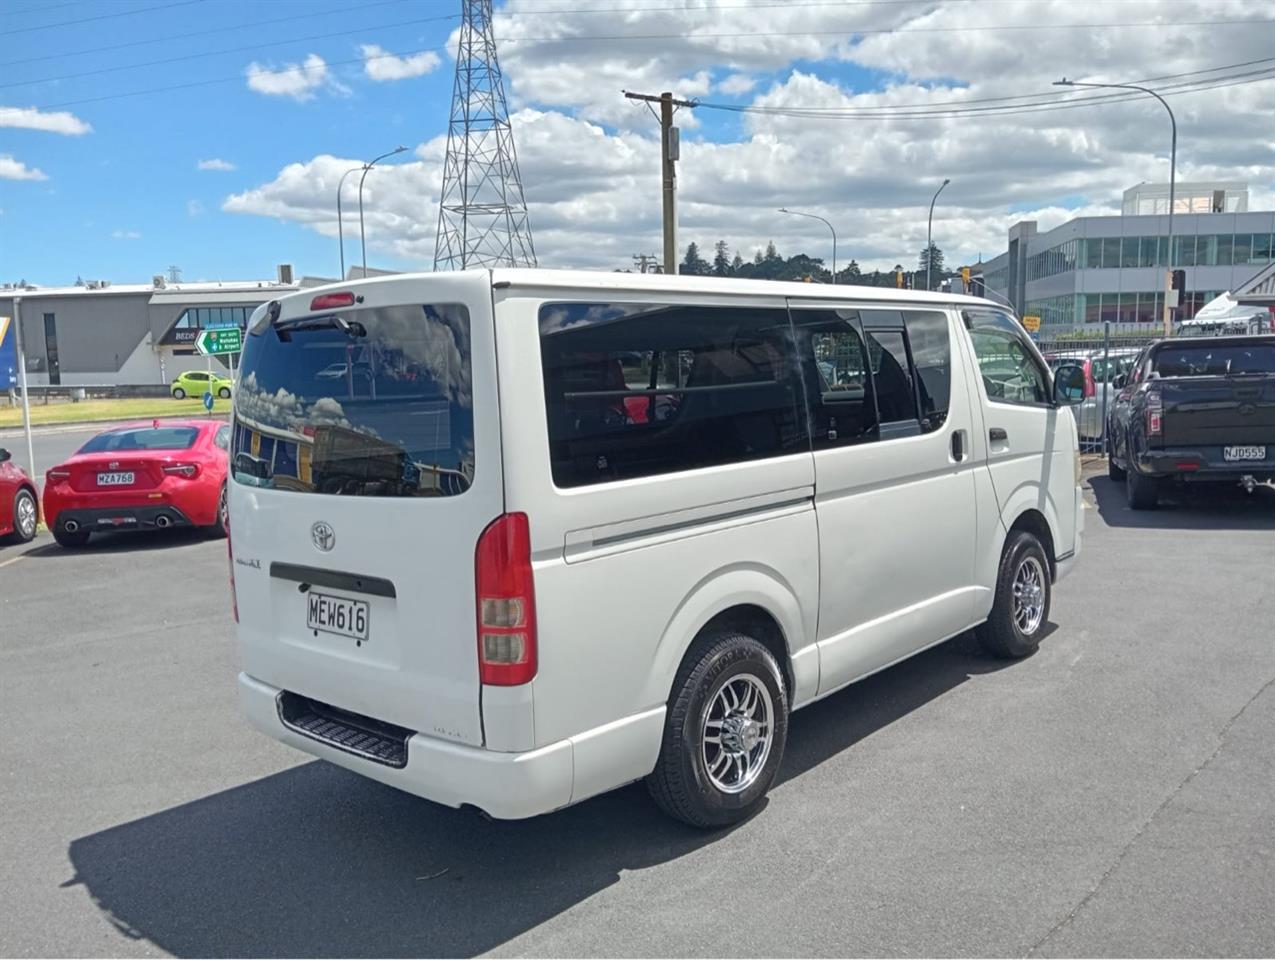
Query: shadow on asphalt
317, 861
129, 541
1186, 506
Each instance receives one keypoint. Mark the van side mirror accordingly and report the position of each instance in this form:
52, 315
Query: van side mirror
5, 455
1069, 384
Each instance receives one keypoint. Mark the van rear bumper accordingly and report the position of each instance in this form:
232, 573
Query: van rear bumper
509, 786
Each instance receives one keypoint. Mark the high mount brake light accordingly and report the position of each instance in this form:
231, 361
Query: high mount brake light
329, 301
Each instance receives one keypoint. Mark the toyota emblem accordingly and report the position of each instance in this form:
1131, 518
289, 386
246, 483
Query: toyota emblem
323, 535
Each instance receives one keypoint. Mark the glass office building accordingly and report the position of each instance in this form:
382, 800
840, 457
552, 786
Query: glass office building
1096, 269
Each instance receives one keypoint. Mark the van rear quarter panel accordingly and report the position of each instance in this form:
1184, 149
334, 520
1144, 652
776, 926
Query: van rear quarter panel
615, 618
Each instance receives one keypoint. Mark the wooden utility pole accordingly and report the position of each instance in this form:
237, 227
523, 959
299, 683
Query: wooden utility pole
670, 149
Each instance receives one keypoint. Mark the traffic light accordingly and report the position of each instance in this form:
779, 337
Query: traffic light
898, 279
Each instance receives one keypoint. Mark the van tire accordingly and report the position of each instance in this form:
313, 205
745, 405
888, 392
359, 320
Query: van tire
1115, 472
1142, 492
681, 783
1002, 635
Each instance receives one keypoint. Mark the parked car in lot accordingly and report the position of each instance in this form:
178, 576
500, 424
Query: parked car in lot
195, 383
18, 513
1099, 371
491, 576
1195, 410
158, 474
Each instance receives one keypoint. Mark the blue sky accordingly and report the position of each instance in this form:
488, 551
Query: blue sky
136, 172
125, 199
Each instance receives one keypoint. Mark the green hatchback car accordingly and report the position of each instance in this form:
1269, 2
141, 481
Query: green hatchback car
195, 383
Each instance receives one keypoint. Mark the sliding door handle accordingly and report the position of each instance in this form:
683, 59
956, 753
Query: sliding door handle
958, 445
997, 435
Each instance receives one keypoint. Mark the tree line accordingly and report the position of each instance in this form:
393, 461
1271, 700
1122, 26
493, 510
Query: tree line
769, 264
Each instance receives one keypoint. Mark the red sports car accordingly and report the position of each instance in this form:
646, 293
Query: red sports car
155, 474
17, 502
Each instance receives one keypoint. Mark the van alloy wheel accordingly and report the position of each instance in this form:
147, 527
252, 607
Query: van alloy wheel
737, 733
1029, 595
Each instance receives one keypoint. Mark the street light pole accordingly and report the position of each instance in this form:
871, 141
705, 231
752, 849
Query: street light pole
366, 168
815, 216
929, 234
340, 228
1173, 177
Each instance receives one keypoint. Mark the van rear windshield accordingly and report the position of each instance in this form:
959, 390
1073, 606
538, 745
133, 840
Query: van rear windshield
368, 402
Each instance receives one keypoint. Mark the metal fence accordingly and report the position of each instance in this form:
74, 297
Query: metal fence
1104, 357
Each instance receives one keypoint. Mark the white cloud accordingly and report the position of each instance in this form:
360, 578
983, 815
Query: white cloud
381, 65
216, 163
32, 118
11, 169
590, 158
299, 81
126, 235
194, 208
736, 84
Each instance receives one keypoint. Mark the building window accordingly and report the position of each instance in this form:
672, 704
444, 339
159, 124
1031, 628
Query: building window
1225, 250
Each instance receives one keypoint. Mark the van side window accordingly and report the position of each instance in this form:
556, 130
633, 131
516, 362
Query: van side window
931, 343
838, 388
1010, 372
636, 390
891, 375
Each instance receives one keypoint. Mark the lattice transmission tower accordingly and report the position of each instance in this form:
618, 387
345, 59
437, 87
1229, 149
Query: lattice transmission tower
482, 215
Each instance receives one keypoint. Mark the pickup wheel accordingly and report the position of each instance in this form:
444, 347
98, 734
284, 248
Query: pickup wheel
1021, 607
1143, 492
724, 733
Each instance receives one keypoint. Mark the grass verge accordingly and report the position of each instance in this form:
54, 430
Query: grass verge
89, 411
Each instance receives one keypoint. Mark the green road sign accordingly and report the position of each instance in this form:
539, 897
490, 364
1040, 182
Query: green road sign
214, 340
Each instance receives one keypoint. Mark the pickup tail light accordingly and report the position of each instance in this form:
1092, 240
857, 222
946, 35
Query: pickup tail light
1089, 385
1155, 412
187, 470
506, 596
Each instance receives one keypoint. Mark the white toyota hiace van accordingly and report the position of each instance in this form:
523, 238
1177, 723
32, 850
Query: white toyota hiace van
513, 538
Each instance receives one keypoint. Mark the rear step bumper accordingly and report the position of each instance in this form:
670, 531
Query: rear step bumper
508, 786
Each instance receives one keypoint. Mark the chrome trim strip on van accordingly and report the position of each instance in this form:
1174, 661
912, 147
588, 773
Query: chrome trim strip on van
581, 544
336, 579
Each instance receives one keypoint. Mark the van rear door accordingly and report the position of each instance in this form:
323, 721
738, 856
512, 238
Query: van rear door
366, 463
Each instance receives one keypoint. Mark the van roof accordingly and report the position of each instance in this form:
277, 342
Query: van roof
652, 282
503, 277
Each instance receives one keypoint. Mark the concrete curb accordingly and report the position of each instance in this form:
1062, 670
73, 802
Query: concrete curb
44, 430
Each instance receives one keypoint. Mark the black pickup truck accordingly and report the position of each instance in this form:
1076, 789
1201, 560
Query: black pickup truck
1194, 409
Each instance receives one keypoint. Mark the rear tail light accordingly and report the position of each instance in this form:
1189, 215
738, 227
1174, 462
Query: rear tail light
1155, 410
328, 301
56, 474
1089, 387
187, 470
506, 602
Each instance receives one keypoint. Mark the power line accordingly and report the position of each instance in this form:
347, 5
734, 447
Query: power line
1050, 95
1197, 86
100, 16
850, 32
215, 53
169, 37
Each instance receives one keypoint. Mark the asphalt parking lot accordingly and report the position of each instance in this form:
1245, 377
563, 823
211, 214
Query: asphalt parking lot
1110, 795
